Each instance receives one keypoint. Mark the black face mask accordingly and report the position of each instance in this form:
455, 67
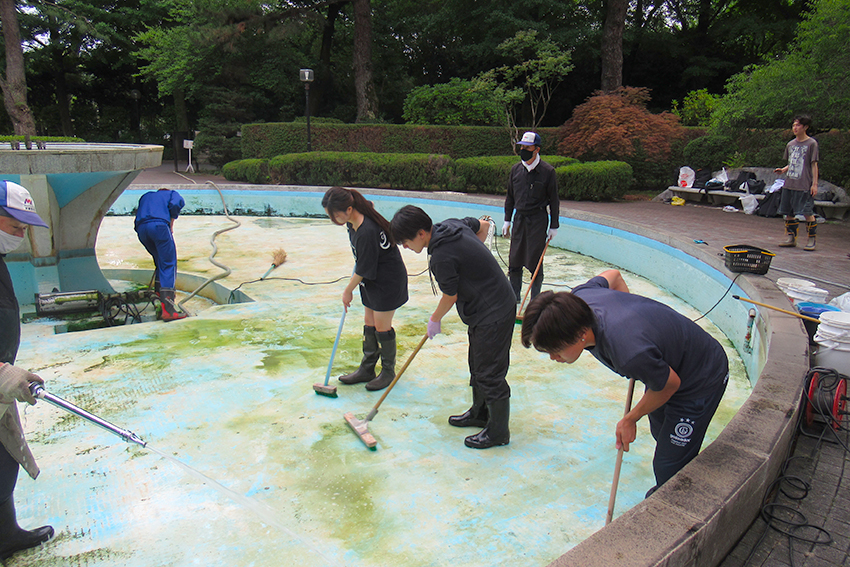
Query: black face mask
525, 154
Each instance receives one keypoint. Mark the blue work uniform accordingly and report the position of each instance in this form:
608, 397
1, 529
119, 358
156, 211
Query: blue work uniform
153, 225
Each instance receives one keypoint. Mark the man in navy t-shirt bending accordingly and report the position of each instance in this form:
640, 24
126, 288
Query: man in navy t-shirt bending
683, 368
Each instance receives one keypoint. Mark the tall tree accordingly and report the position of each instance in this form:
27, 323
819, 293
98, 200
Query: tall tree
363, 86
14, 81
612, 44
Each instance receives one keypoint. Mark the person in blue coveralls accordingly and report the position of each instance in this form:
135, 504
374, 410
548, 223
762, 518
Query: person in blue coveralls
684, 369
155, 226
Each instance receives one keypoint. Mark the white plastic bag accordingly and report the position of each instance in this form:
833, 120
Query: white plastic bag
686, 177
842, 301
749, 203
723, 177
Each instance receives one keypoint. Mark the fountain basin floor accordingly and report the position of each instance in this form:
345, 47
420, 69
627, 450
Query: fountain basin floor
229, 393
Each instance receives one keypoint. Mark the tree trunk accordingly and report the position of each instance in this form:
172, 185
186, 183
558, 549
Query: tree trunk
181, 115
612, 44
364, 88
14, 83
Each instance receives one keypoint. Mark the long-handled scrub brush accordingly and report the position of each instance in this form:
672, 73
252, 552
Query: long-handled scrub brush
361, 426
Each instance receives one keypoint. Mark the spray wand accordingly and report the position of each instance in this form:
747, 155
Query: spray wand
39, 392
279, 257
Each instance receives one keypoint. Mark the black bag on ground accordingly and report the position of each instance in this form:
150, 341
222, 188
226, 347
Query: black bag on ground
743, 177
769, 206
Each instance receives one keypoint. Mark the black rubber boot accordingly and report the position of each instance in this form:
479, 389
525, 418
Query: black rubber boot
537, 284
790, 233
515, 277
497, 432
169, 307
371, 352
388, 352
812, 230
14, 539
476, 416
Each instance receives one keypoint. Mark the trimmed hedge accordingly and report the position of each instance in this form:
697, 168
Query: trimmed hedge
490, 174
274, 139
254, 171
361, 169
594, 181
33, 139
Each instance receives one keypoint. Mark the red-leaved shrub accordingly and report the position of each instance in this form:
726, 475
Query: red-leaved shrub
618, 126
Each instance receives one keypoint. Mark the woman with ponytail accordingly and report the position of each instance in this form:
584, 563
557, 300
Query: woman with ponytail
380, 274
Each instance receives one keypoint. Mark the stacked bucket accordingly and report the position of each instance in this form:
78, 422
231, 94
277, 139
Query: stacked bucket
832, 334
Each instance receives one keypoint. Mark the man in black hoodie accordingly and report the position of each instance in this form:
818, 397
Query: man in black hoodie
469, 278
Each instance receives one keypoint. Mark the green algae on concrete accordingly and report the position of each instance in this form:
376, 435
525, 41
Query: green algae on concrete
229, 393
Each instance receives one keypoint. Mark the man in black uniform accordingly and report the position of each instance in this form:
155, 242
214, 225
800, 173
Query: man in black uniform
470, 278
532, 188
17, 212
685, 369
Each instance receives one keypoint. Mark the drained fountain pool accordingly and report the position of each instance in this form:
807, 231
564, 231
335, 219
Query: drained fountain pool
246, 465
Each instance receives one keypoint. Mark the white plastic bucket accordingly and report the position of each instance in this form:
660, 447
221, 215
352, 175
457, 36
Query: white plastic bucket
833, 339
803, 293
784, 283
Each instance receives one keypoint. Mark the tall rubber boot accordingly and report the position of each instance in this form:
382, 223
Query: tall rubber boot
371, 352
14, 539
537, 284
515, 277
812, 230
169, 307
790, 233
388, 353
475, 416
497, 432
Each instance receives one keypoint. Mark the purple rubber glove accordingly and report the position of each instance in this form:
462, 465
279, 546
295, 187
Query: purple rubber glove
433, 328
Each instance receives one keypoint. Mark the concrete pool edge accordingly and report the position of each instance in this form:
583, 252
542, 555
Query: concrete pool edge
697, 517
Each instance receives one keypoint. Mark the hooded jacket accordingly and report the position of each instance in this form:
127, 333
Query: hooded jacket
464, 266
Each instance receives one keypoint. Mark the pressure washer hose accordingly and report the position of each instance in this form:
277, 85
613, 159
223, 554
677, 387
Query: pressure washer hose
227, 270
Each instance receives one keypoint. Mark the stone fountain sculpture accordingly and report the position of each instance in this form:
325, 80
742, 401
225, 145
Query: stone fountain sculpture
73, 186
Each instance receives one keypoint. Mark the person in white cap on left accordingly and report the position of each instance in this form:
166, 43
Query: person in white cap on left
17, 212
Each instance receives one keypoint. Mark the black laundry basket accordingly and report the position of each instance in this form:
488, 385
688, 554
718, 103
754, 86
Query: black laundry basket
746, 258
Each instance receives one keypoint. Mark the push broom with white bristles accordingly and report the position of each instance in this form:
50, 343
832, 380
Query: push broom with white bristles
361, 426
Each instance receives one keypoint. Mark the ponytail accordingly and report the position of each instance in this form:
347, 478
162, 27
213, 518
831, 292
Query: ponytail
338, 199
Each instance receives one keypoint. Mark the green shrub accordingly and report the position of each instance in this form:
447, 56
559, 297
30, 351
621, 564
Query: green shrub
362, 169
708, 152
594, 181
490, 174
696, 108
455, 103
254, 171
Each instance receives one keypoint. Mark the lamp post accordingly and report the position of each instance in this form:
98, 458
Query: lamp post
306, 76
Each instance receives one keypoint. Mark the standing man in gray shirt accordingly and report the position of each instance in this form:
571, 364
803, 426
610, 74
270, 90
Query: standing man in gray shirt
533, 194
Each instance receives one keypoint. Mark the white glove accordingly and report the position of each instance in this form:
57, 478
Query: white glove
506, 229
15, 384
552, 233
